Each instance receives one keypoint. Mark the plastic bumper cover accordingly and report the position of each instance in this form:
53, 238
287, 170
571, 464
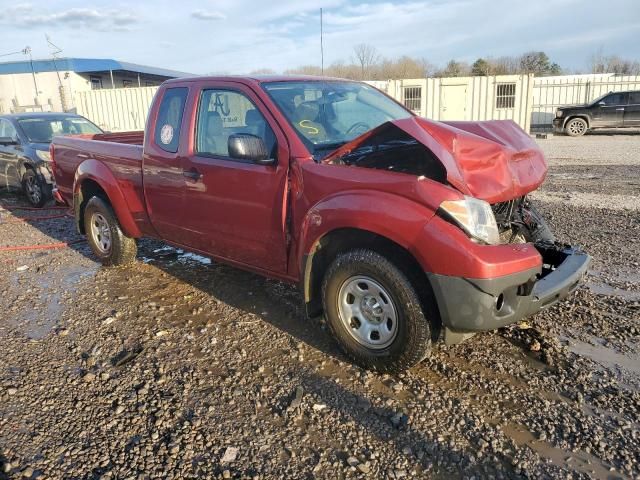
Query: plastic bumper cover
471, 305
44, 169
558, 124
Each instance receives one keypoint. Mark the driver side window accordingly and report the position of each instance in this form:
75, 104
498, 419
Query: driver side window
222, 113
614, 99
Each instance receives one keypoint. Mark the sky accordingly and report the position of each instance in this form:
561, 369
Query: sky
240, 36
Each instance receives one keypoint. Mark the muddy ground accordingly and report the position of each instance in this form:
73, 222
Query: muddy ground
176, 367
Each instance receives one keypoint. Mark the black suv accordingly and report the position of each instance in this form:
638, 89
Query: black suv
24, 150
612, 110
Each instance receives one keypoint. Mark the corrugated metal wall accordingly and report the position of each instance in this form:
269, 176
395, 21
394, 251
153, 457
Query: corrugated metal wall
459, 98
549, 93
116, 110
467, 98
529, 101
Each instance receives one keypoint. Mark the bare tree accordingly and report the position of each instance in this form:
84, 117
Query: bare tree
454, 69
366, 56
305, 70
263, 71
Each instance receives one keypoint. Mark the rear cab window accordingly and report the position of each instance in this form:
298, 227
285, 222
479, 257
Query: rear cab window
169, 120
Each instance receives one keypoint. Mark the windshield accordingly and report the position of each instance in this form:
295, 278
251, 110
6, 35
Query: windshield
42, 130
329, 114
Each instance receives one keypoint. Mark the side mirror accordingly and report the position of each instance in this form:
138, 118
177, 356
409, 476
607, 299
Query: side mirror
7, 141
602, 104
244, 146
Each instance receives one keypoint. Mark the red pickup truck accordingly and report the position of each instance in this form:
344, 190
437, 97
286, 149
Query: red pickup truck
399, 229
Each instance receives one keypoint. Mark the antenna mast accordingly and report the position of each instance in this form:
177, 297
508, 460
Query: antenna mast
321, 46
55, 51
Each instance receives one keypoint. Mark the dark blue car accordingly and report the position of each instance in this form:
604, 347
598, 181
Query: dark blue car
24, 150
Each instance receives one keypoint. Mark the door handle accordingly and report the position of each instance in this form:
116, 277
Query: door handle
620, 109
192, 174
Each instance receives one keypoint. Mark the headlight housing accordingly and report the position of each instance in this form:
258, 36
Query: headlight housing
475, 217
558, 113
43, 155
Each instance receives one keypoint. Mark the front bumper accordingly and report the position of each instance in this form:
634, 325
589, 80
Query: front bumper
44, 169
558, 125
470, 305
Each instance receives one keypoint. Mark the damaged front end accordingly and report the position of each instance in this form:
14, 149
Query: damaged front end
494, 161
470, 305
494, 165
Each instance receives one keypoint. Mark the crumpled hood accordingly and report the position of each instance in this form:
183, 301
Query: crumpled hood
493, 160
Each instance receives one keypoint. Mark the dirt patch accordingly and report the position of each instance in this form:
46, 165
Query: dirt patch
180, 367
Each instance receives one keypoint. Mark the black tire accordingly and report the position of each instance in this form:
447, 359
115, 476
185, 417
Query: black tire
38, 191
100, 224
576, 127
412, 340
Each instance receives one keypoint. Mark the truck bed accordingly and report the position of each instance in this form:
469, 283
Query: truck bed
120, 153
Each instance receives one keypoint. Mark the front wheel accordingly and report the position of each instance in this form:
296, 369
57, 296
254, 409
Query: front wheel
576, 127
35, 188
106, 239
374, 312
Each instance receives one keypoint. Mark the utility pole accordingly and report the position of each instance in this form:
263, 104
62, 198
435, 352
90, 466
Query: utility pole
321, 46
55, 50
27, 51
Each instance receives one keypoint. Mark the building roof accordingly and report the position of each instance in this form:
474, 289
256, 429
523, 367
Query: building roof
85, 65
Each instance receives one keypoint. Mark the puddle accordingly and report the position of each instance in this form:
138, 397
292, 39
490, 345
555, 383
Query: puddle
604, 283
606, 289
605, 356
581, 462
37, 323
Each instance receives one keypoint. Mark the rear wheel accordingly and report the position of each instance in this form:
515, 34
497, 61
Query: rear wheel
38, 192
106, 239
374, 312
576, 127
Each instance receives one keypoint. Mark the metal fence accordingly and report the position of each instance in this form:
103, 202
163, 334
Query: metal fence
530, 101
549, 93
502, 97
116, 110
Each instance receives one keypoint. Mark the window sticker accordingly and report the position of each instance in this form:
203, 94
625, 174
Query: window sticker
166, 134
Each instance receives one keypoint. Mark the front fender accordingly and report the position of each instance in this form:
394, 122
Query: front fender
391, 216
98, 172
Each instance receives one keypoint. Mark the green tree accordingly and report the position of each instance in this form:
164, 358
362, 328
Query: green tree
481, 67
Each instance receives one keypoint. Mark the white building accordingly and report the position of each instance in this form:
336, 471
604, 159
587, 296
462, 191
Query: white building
52, 85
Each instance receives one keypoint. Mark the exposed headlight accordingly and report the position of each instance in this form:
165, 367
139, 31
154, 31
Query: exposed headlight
473, 216
558, 113
43, 155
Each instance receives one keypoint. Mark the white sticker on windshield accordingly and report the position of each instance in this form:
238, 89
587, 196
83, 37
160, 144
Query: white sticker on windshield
166, 134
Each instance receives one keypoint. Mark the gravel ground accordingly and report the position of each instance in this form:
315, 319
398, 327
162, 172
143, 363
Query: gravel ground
178, 368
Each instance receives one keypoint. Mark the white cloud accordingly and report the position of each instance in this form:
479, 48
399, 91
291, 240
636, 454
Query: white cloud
26, 16
208, 16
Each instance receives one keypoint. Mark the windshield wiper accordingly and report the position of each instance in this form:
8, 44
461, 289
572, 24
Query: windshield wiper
326, 146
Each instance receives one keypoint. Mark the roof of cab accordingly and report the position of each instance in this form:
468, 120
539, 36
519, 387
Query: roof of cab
258, 79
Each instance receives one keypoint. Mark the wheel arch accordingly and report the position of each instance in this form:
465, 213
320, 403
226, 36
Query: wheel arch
583, 116
94, 179
326, 248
